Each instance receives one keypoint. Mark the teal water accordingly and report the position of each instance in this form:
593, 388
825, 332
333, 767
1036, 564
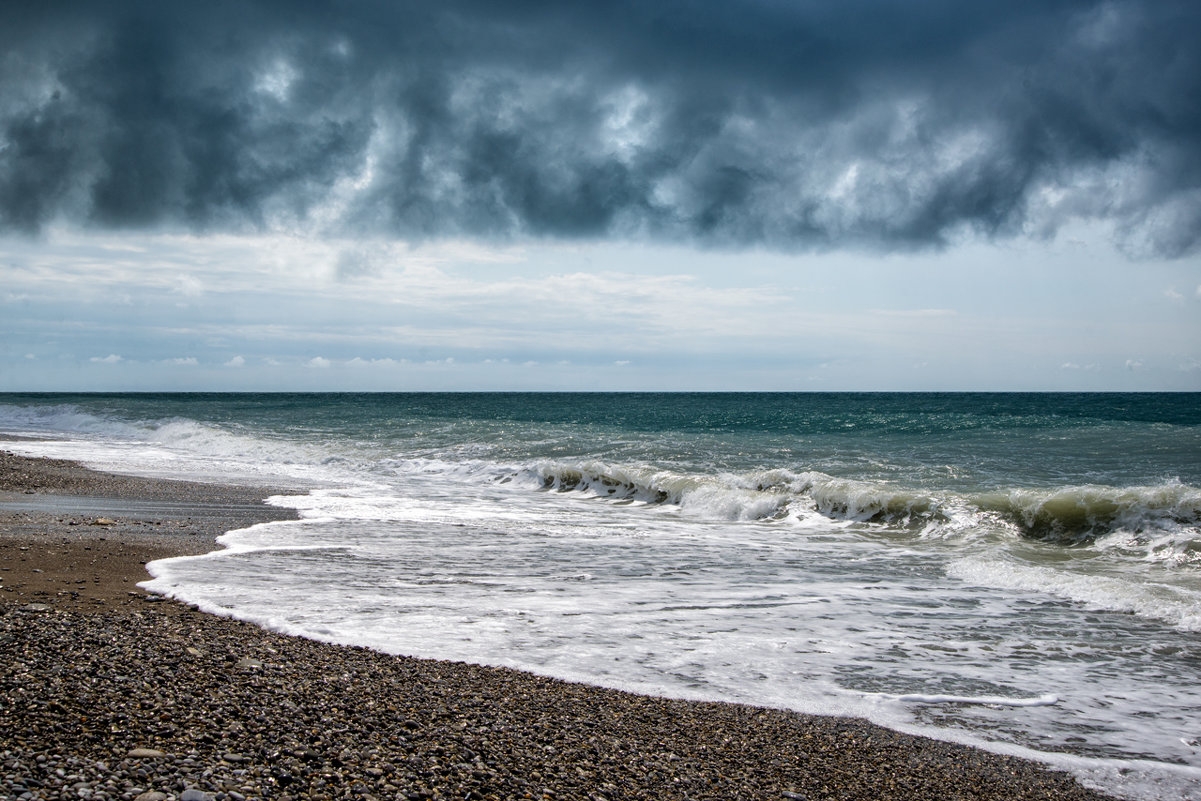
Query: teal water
1019, 438
1021, 571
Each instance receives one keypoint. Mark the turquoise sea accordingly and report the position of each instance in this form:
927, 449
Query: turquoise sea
1018, 571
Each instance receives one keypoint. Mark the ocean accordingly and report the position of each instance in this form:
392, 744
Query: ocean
1016, 571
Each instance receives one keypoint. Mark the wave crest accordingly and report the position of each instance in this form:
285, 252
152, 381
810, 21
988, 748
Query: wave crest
1085, 514
1137, 518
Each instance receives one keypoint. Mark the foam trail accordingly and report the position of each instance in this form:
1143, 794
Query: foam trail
1178, 606
989, 700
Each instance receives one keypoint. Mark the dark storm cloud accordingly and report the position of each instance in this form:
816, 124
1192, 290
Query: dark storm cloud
768, 123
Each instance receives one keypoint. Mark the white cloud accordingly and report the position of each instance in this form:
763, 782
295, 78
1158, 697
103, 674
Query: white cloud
359, 361
236, 361
189, 286
1133, 364
1173, 295
184, 361
357, 263
112, 358
319, 362
915, 313
276, 79
30, 356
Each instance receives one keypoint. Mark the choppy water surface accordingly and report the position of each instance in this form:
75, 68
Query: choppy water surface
1017, 570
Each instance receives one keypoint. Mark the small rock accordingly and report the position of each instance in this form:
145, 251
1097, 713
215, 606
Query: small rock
192, 794
248, 662
104, 521
37, 608
152, 795
144, 753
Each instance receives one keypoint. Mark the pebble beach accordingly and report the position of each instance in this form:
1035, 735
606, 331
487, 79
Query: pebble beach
107, 692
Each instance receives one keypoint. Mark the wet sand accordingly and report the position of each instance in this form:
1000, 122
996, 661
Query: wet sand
81, 538
108, 693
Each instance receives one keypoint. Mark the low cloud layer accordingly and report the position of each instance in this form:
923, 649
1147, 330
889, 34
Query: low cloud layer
796, 125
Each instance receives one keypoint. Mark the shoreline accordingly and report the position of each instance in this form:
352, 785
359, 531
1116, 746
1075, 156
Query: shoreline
96, 670
94, 532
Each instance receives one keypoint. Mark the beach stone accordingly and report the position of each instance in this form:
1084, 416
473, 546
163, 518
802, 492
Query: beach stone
192, 794
37, 608
248, 662
104, 521
145, 753
152, 795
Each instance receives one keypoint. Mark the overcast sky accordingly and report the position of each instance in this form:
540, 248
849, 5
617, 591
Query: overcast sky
740, 194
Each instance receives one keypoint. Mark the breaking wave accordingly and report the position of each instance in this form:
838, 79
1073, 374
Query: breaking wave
172, 446
1082, 515
1163, 520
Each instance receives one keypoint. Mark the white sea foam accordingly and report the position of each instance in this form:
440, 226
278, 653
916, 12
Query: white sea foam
168, 447
991, 700
1176, 604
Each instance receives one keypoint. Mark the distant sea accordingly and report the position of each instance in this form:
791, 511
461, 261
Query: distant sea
1017, 571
